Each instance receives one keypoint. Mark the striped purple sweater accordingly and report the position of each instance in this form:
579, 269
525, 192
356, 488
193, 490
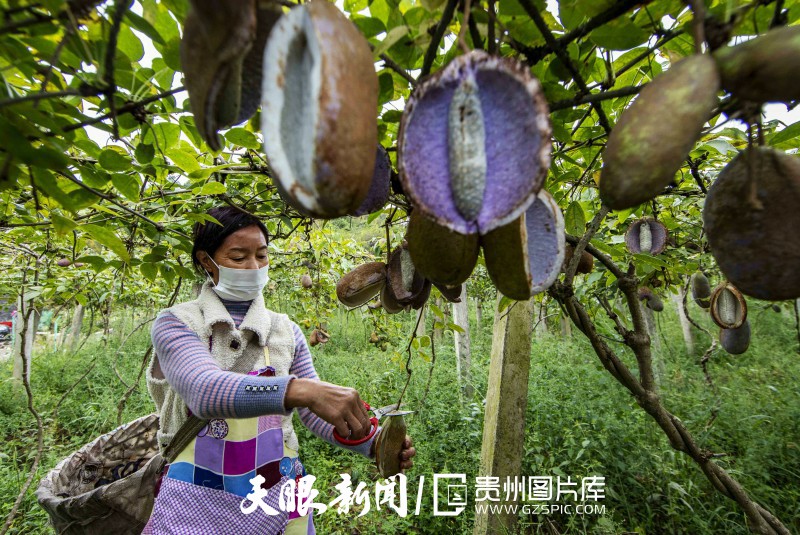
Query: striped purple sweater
211, 392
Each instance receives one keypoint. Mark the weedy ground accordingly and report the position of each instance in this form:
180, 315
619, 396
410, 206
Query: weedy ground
580, 422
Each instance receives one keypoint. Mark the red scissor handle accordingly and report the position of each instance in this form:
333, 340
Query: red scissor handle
349, 442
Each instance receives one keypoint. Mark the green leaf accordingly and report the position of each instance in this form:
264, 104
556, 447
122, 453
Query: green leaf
210, 188
114, 160
456, 327
82, 299
619, 34
46, 182
790, 132
129, 44
184, 160
392, 37
144, 153
128, 185
243, 138
107, 237
62, 224
139, 23
150, 271
386, 83
204, 173
575, 219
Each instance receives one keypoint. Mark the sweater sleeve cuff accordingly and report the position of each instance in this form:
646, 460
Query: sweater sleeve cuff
257, 396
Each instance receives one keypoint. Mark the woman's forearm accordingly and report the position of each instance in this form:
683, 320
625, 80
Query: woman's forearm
207, 390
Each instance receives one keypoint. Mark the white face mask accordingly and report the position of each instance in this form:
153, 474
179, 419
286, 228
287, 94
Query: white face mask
240, 284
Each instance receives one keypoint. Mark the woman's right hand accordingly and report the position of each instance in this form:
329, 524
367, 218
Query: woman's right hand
340, 406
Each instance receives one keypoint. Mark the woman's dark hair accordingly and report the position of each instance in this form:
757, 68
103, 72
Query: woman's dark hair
208, 236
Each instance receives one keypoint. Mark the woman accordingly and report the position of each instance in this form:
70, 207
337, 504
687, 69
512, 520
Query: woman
225, 358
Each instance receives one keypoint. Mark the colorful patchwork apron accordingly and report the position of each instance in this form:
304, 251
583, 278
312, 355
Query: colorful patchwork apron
203, 488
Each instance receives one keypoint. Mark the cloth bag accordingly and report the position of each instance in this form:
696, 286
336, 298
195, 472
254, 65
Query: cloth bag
108, 486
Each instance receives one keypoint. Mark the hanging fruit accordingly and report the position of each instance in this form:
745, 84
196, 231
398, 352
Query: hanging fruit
318, 117
728, 307
474, 143
646, 236
361, 284
445, 257
735, 341
652, 301
378, 194
654, 135
763, 69
750, 215
524, 257
701, 290
306, 282
585, 264
221, 55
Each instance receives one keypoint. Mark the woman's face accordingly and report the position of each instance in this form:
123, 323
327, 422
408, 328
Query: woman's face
244, 249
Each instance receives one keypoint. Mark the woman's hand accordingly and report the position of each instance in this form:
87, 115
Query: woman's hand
338, 405
406, 453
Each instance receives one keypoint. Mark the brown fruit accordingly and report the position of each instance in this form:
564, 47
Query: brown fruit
306, 281
763, 69
750, 217
524, 257
403, 278
64, 262
441, 255
361, 284
389, 444
585, 264
318, 113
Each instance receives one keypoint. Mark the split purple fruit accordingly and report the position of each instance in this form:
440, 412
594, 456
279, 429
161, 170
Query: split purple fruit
524, 257
728, 307
646, 236
474, 143
378, 194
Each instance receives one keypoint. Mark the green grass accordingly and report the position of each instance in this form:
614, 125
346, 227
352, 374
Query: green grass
580, 422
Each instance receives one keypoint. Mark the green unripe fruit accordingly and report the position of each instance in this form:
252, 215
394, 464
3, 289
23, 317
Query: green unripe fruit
763, 69
653, 137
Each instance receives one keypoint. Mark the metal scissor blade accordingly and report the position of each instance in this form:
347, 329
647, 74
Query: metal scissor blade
383, 411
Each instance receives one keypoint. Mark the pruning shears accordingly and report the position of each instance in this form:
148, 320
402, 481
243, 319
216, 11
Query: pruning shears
388, 410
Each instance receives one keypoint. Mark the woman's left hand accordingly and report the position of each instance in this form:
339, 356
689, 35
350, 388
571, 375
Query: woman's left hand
406, 453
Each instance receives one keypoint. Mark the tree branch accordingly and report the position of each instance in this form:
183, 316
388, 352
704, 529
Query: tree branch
389, 62
536, 54
127, 108
562, 54
430, 54
596, 97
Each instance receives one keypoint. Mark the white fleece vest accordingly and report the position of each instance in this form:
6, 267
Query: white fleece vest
237, 350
